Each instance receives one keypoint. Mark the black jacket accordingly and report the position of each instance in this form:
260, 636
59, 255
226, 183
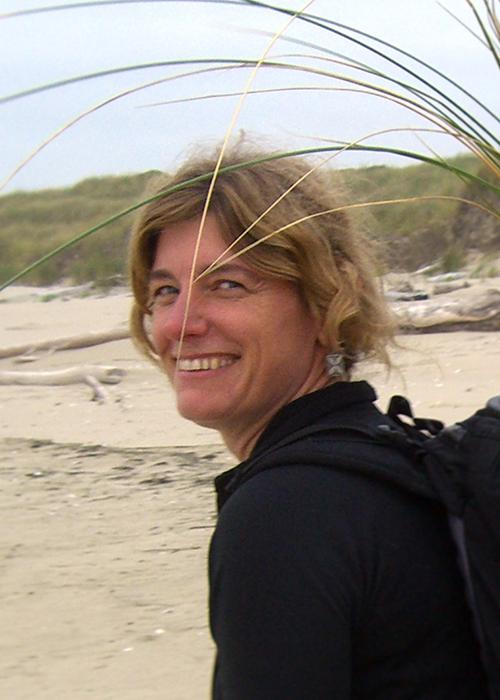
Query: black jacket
330, 584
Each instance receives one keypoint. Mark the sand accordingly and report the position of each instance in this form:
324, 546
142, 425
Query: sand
108, 507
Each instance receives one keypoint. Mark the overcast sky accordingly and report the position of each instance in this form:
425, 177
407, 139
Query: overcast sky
130, 135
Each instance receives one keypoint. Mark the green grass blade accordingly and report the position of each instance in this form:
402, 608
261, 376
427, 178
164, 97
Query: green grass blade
485, 33
223, 62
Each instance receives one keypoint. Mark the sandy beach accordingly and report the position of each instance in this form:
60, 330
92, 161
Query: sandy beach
108, 506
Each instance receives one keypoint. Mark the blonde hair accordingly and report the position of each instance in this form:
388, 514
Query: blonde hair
306, 237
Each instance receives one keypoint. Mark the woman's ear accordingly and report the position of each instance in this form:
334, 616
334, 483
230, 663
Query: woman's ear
319, 328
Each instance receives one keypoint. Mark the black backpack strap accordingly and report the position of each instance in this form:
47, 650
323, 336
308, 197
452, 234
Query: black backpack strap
400, 406
280, 454
362, 447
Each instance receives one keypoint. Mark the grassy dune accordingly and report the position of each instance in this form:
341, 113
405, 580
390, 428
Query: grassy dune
413, 234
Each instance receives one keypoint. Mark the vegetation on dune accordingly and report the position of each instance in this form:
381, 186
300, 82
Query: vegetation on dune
412, 234
432, 228
32, 223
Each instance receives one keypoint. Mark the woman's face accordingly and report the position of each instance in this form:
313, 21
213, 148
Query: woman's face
239, 345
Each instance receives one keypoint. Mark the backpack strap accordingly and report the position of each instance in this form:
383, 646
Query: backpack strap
400, 406
360, 447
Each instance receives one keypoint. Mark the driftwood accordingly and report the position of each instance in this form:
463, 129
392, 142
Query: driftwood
92, 375
447, 287
68, 343
481, 312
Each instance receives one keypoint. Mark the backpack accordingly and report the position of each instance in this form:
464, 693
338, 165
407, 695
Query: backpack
462, 463
459, 466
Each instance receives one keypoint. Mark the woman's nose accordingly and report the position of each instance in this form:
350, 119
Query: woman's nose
185, 317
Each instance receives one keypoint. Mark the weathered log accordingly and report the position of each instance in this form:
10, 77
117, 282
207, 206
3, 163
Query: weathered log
72, 375
481, 312
447, 287
67, 343
92, 375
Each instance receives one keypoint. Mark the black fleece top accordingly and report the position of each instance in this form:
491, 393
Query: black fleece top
328, 584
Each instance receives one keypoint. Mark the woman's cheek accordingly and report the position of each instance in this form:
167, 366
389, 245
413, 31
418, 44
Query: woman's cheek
157, 338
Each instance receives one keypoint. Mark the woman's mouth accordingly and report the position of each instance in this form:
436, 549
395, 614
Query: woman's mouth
197, 364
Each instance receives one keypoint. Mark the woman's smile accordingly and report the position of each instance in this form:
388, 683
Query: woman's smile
236, 344
202, 364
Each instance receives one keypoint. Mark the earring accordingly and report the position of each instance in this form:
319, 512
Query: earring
335, 364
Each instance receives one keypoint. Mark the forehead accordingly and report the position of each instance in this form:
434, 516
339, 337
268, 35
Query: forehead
180, 242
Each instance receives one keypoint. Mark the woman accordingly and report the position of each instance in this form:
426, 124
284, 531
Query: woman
325, 583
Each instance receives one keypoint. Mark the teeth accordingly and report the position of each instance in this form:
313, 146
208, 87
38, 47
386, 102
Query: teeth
203, 363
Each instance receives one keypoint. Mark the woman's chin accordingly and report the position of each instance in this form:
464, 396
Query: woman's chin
198, 412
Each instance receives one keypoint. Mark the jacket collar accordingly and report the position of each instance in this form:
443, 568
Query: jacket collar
304, 411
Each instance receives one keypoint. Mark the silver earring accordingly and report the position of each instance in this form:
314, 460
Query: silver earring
335, 364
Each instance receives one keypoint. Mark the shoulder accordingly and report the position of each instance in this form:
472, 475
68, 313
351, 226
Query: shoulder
320, 494
347, 519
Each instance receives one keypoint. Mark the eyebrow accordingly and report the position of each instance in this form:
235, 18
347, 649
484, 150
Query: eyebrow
159, 274
225, 268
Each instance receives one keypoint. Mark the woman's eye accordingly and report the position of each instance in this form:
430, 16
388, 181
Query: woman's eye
228, 284
163, 295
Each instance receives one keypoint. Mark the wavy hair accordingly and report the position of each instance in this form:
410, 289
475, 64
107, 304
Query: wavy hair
293, 222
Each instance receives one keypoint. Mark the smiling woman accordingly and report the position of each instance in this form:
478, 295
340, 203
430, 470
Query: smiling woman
324, 581
297, 270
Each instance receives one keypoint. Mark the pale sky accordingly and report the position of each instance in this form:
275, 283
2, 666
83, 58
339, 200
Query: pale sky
130, 136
